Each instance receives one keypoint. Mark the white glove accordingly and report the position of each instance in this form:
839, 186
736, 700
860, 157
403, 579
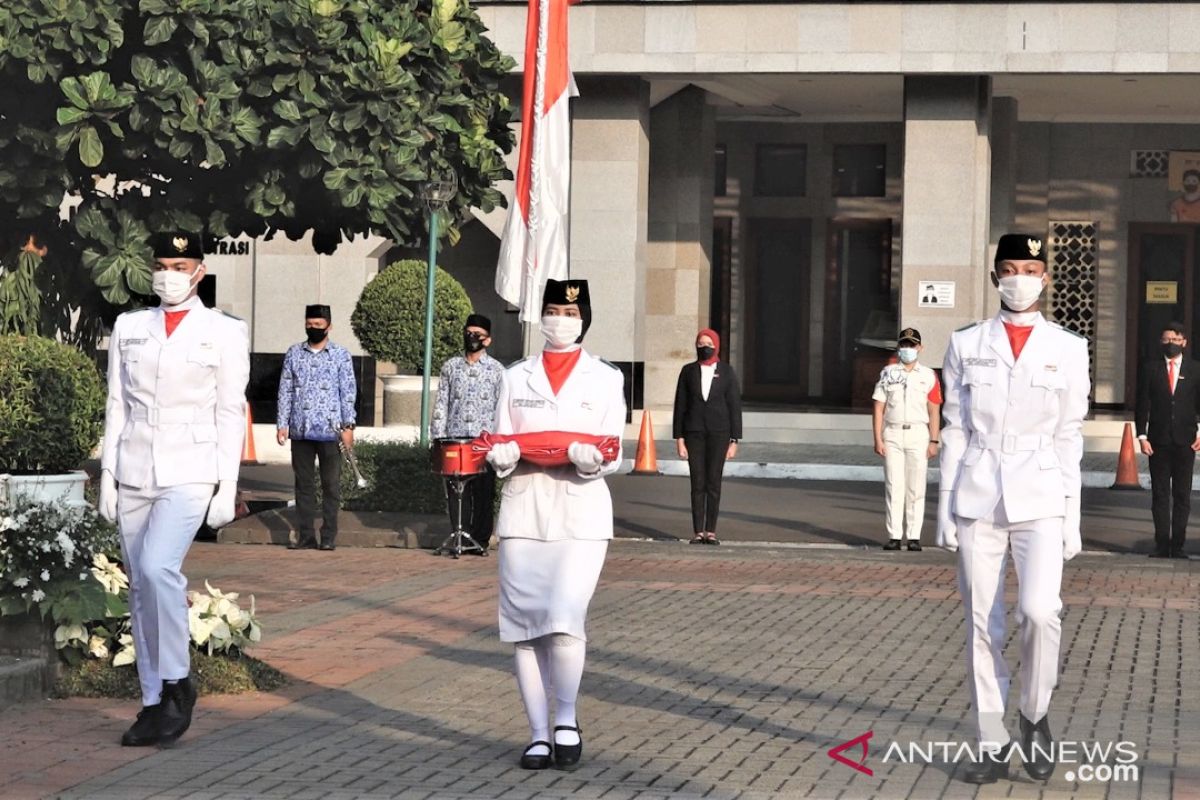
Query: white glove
221, 509
1072, 537
504, 457
947, 530
586, 457
107, 506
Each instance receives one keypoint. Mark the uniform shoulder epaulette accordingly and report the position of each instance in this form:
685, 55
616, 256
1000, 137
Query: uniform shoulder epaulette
1065, 329
970, 325
608, 363
226, 313
136, 310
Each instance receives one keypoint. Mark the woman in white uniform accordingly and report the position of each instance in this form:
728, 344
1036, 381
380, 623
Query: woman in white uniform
555, 522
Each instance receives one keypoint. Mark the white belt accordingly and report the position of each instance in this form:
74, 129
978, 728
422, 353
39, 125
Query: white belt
1011, 442
172, 416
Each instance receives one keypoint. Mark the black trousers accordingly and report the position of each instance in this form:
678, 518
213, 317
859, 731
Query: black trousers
706, 461
1171, 494
478, 497
304, 453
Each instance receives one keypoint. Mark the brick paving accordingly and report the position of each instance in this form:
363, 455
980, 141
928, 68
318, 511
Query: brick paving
713, 672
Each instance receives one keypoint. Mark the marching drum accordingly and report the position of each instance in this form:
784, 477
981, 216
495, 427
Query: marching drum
454, 457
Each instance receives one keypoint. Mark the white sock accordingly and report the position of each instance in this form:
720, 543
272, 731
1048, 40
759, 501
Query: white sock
567, 655
529, 667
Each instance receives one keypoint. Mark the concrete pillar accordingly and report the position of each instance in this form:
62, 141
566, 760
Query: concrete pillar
609, 184
679, 251
947, 188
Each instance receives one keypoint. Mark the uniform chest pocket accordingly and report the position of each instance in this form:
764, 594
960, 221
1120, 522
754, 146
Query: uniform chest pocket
1050, 381
977, 377
131, 355
204, 356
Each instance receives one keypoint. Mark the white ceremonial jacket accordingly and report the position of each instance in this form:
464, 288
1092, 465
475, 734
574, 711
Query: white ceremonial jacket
176, 406
1014, 431
558, 503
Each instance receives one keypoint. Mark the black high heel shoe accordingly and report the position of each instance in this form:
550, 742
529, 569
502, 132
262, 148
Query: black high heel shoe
566, 756
529, 761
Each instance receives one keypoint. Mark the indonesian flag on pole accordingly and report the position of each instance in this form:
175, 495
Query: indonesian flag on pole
534, 246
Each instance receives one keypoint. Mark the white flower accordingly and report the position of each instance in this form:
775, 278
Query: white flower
98, 647
37, 596
21, 582
45, 575
8, 524
68, 635
110, 575
45, 546
127, 655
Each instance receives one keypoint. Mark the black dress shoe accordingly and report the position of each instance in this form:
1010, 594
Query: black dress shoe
914, 546
175, 716
566, 756
893, 544
327, 546
992, 768
1180, 554
1037, 749
537, 761
143, 732
303, 544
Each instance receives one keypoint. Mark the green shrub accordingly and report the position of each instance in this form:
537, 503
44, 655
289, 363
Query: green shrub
398, 478
52, 406
389, 319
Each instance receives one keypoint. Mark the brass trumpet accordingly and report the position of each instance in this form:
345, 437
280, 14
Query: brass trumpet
348, 454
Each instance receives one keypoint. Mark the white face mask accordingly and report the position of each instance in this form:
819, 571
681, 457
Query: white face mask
172, 287
907, 355
1019, 292
561, 331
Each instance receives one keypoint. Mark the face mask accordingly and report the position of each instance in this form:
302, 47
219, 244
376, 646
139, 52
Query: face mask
1171, 349
472, 342
907, 355
561, 331
172, 287
316, 335
705, 353
1019, 292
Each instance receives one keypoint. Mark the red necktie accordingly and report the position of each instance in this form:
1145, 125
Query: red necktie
173, 318
1171, 374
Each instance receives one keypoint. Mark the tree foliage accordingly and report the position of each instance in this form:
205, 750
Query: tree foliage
232, 117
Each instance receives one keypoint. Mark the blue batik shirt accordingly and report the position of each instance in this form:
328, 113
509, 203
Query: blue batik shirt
466, 397
316, 392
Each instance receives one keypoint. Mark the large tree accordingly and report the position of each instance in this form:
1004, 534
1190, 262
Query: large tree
229, 117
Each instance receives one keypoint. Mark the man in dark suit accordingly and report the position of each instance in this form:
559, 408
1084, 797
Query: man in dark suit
1167, 403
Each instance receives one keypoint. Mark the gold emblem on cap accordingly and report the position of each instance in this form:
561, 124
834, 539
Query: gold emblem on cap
1035, 246
572, 294
180, 243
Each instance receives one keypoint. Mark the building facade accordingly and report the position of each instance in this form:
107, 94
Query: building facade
807, 178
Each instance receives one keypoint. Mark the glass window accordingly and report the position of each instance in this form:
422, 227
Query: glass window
779, 170
860, 170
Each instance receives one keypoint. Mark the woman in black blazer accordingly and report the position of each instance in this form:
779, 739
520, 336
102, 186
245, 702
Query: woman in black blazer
706, 427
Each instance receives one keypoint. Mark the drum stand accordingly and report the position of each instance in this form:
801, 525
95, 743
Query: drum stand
459, 541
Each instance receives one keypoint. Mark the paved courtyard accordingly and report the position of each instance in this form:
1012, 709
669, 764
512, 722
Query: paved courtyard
713, 672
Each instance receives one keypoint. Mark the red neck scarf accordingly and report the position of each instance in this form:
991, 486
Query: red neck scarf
716, 340
173, 318
1017, 336
558, 366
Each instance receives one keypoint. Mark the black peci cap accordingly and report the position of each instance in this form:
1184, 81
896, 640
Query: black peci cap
178, 244
1020, 247
318, 312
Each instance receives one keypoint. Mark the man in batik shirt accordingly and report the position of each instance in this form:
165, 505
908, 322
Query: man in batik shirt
466, 406
316, 408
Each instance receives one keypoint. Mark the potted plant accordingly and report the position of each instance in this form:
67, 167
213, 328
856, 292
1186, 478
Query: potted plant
50, 420
389, 321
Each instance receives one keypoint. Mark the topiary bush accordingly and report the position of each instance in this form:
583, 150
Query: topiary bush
389, 319
51, 406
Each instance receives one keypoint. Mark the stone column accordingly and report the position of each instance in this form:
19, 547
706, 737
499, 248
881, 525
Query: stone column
609, 182
679, 251
947, 189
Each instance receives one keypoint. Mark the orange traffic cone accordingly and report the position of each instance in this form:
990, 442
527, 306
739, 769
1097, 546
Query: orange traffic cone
646, 462
1127, 471
249, 456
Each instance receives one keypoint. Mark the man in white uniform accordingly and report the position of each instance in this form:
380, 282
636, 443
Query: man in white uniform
1016, 394
173, 434
906, 421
